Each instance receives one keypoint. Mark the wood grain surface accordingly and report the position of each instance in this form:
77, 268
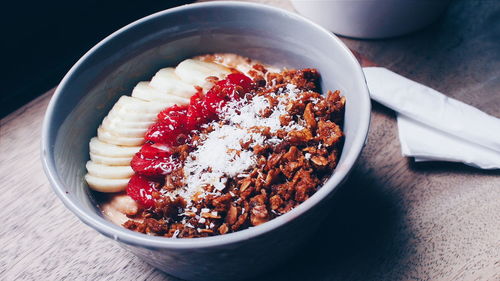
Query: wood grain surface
393, 220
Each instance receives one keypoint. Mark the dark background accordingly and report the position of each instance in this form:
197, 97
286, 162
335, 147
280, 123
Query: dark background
41, 40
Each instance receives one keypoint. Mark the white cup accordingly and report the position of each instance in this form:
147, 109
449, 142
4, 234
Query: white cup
371, 19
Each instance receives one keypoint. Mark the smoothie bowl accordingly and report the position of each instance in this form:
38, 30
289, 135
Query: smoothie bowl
242, 206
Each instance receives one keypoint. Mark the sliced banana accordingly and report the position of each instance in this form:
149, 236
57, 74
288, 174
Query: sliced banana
108, 137
119, 207
195, 72
135, 110
110, 161
167, 81
240, 63
145, 91
117, 121
125, 204
109, 172
123, 131
100, 148
126, 115
106, 185
133, 104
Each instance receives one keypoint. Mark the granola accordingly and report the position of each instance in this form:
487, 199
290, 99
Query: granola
266, 152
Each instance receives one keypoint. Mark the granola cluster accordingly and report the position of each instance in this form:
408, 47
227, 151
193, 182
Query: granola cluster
285, 161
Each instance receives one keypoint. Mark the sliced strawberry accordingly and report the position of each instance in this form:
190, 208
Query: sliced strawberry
156, 150
141, 189
195, 116
171, 123
241, 80
175, 115
143, 166
163, 133
230, 92
158, 132
153, 168
231, 88
205, 108
215, 99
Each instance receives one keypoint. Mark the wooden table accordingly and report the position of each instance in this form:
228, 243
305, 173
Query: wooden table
394, 219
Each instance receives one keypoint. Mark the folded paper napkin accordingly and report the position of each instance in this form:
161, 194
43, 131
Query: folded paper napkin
434, 127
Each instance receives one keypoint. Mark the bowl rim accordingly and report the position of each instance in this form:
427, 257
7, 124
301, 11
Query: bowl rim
138, 239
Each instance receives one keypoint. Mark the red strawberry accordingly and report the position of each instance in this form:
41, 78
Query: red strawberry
163, 133
156, 150
214, 100
171, 123
231, 88
157, 131
141, 190
156, 167
241, 80
195, 116
175, 115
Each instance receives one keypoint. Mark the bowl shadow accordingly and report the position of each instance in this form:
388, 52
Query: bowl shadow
362, 235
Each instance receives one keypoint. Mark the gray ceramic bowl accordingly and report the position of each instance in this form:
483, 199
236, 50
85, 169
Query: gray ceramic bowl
135, 53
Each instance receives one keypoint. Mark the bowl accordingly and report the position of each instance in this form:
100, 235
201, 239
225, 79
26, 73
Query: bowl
134, 53
372, 19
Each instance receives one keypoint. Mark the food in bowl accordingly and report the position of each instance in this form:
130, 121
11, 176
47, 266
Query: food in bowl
271, 35
218, 144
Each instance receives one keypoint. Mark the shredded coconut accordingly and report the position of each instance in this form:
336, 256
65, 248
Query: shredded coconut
219, 155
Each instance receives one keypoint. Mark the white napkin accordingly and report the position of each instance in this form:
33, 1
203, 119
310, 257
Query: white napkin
433, 127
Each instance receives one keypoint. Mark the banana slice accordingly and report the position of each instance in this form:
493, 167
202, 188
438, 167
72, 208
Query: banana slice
106, 185
100, 148
133, 104
116, 121
122, 131
168, 82
110, 161
145, 91
108, 137
240, 63
237, 62
125, 204
109, 172
135, 110
131, 116
119, 207
195, 72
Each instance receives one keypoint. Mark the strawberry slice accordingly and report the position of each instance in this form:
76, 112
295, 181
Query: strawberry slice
215, 99
155, 167
241, 80
156, 150
175, 115
195, 116
171, 123
163, 133
141, 190
231, 88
